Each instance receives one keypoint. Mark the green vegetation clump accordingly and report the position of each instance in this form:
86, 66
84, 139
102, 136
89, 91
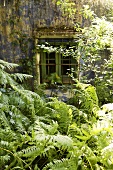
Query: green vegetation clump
39, 135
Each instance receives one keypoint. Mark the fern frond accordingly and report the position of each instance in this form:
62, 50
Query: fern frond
63, 164
4, 143
62, 141
3, 119
3, 78
7, 135
42, 135
6, 79
4, 160
20, 76
50, 129
63, 114
16, 158
26, 94
4, 99
32, 151
4, 64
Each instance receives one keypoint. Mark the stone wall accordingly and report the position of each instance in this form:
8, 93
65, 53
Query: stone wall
20, 21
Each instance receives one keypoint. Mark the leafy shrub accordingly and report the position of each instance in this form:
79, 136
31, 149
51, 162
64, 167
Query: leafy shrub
53, 135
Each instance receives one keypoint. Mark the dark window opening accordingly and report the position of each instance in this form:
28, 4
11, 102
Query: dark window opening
50, 63
65, 65
55, 40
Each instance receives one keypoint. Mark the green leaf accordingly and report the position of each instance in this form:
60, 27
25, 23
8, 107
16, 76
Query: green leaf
82, 137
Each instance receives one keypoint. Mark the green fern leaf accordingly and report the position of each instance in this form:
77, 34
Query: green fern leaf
4, 64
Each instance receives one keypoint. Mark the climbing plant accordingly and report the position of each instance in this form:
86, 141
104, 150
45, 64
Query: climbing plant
95, 49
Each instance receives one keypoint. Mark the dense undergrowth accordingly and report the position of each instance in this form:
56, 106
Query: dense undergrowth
40, 134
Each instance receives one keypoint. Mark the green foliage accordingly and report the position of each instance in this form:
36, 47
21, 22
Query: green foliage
53, 135
54, 78
61, 113
46, 136
87, 12
30, 137
85, 98
95, 48
68, 8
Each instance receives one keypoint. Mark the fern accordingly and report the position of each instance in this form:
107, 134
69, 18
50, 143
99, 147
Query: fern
13, 123
4, 65
85, 99
62, 114
107, 156
42, 133
52, 135
7, 79
63, 164
20, 77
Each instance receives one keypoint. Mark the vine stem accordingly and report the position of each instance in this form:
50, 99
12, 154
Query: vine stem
15, 156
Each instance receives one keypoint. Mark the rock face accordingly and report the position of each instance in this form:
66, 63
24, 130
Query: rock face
20, 22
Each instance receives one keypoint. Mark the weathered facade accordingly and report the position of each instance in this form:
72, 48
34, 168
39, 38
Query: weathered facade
26, 23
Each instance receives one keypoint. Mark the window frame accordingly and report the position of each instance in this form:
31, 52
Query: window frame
65, 78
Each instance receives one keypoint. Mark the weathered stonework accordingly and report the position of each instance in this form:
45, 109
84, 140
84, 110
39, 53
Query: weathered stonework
22, 21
